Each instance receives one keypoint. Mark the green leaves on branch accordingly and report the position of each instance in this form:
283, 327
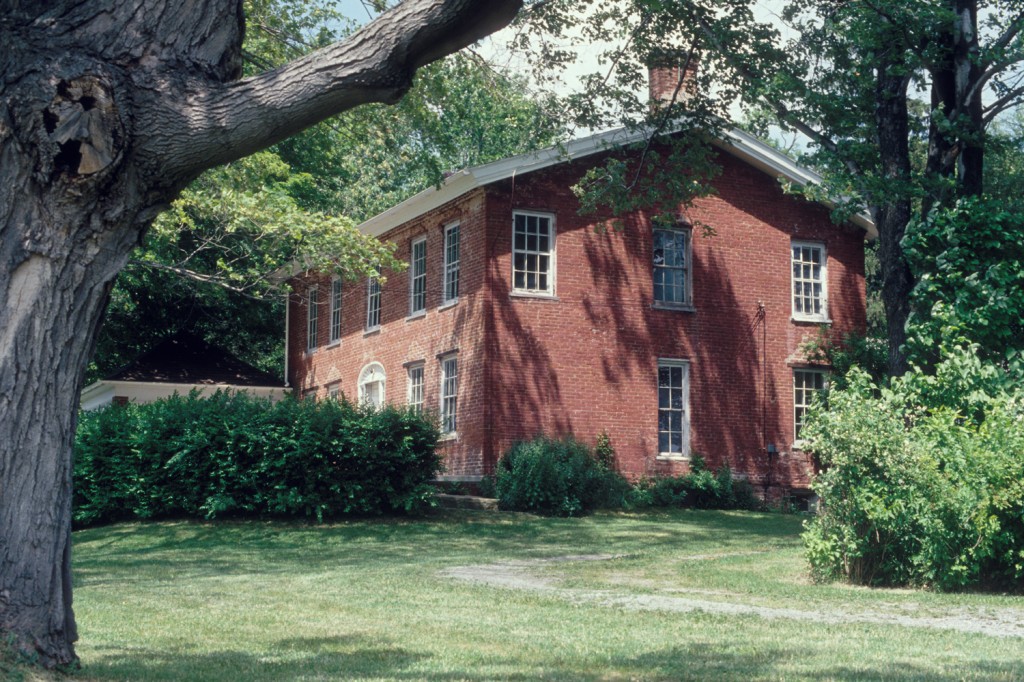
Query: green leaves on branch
240, 225
969, 261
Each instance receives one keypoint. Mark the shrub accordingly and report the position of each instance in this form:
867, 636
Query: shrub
230, 453
917, 492
557, 478
698, 489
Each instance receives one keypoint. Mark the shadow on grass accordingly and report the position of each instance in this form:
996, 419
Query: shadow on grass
710, 661
354, 658
226, 547
309, 658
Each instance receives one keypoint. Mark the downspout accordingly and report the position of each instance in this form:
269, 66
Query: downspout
287, 334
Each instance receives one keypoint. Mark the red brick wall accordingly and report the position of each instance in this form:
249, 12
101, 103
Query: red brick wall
585, 361
401, 339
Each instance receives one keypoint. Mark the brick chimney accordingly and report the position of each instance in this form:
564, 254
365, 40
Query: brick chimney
668, 71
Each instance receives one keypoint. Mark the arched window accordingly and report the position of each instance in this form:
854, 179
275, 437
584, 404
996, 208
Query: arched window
371, 384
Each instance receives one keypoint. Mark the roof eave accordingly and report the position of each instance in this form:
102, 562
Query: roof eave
736, 142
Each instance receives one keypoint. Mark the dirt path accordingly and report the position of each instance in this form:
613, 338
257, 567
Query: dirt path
524, 575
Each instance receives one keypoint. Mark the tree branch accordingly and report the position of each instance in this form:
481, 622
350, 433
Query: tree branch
196, 277
222, 123
780, 109
1012, 97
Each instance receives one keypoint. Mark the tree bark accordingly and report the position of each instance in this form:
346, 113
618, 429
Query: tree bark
107, 109
892, 213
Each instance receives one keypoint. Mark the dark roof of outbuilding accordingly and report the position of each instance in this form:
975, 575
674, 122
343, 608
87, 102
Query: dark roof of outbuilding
184, 358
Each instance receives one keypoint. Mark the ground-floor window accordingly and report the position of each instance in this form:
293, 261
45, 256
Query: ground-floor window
806, 383
371, 385
673, 408
449, 393
416, 388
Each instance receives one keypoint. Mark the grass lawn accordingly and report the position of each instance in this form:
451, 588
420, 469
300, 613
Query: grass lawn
377, 600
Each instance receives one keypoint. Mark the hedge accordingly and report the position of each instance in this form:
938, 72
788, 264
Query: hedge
232, 454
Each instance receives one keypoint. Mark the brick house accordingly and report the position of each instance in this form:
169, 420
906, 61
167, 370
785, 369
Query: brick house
517, 316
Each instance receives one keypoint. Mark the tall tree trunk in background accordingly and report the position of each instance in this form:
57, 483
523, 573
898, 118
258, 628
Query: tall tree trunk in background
893, 213
107, 109
956, 136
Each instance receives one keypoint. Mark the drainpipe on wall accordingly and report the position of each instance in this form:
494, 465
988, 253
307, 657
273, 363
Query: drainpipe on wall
287, 334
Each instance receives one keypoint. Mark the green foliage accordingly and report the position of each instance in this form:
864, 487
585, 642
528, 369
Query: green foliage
226, 239
231, 454
867, 353
922, 481
969, 260
556, 478
699, 489
604, 451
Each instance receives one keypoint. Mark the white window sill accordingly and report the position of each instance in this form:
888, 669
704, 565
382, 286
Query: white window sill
371, 332
448, 304
333, 344
681, 307
798, 445
448, 437
810, 320
311, 351
416, 315
673, 458
538, 295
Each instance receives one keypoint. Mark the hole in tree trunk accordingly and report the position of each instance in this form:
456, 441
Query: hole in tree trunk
68, 158
50, 120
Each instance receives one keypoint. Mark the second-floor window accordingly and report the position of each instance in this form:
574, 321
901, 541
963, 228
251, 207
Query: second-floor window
372, 304
533, 253
451, 264
671, 257
418, 276
312, 313
335, 310
810, 294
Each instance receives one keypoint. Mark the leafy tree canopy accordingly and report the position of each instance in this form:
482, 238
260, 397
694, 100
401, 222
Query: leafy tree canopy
894, 98
216, 257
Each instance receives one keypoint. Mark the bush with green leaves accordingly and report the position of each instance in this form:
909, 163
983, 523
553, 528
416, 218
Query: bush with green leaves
556, 477
232, 454
922, 481
700, 488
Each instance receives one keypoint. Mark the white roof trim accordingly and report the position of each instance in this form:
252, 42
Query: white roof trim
742, 145
97, 386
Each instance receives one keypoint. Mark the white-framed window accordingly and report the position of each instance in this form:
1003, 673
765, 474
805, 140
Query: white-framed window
335, 310
418, 276
334, 390
312, 313
810, 292
806, 383
451, 264
371, 384
415, 395
372, 304
449, 393
671, 263
673, 408
533, 253
309, 394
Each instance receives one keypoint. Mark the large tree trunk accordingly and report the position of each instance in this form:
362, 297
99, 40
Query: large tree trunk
107, 109
892, 213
